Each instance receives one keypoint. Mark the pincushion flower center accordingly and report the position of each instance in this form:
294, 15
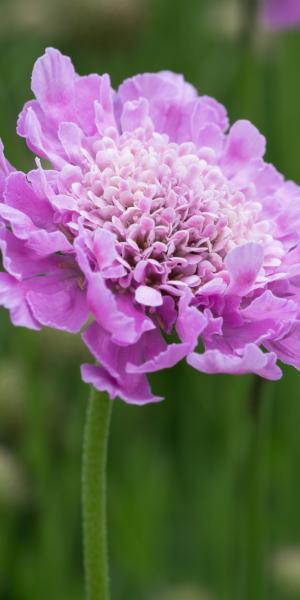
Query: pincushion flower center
175, 215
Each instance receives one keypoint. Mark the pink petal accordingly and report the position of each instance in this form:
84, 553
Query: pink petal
20, 224
63, 307
243, 264
287, 348
87, 92
5, 166
135, 114
20, 195
112, 375
244, 144
45, 244
253, 360
71, 137
39, 140
191, 322
156, 354
104, 248
53, 80
13, 297
115, 313
19, 260
148, 296
269, 306
5, 169
100, 378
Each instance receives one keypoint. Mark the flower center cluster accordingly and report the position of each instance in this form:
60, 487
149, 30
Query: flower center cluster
175, 215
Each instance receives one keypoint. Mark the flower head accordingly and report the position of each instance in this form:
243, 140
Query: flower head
155, 220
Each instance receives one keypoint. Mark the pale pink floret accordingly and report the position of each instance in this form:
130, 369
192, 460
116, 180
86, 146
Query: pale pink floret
155, 220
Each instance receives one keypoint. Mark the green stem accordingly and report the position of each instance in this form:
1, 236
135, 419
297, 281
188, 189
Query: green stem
94, 496
257, 476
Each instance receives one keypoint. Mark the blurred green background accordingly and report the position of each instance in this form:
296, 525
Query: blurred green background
203, 497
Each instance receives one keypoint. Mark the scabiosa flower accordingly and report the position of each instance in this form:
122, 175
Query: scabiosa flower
156, 222
281, 14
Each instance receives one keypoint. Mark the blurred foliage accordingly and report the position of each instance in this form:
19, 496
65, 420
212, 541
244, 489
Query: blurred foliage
181, 486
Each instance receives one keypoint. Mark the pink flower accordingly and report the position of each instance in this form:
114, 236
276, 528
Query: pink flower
281, 14
154, 219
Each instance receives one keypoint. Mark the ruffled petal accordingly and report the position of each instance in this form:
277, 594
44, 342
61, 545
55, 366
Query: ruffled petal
135, 114
13, 297
243, 264
266, 317
44, 243
40, 241
58, 301
166, 93
20, 195
63, 96
244, 144
19, 260
268, 306
287, 348
112, 376
251, 360
164, 85
103, 246
71, 138
20, 224
40, 137
53, 300
155, 354
134, 390
53, 83
87, 92
191, 322
116, 313
5, 168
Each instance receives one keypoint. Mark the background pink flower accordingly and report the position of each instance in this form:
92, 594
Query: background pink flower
282, 14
